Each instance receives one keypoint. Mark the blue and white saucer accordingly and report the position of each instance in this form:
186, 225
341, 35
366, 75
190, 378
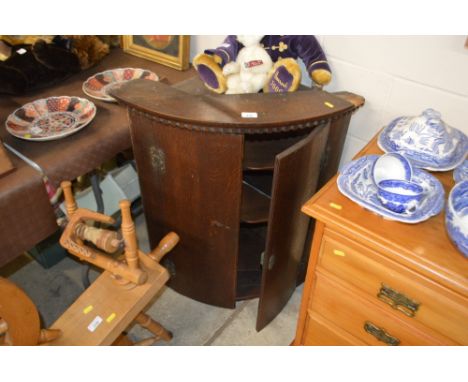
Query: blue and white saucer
355, 182
426, 140
461, 172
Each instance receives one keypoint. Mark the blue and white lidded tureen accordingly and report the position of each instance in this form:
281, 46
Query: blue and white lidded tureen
426, 140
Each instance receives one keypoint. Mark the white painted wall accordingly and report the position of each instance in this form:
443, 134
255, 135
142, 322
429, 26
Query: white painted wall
398, 75
199, 43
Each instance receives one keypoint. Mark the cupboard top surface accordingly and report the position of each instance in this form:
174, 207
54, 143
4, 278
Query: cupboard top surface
425, 246
190, 104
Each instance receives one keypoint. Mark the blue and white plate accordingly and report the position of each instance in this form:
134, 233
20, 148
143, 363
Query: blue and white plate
426, 140
355, 182
456, 216
461, 172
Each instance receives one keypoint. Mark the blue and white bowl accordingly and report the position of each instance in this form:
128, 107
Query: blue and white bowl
391, 166
461, 172
426, 140
456, 216
400, 196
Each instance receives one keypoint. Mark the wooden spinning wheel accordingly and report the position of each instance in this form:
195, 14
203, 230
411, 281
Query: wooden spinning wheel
115, 300
19, 318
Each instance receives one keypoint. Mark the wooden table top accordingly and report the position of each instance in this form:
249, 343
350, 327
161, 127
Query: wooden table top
103, 138
26, 216
424, 246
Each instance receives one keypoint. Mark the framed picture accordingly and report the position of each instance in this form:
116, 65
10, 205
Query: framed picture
170, 50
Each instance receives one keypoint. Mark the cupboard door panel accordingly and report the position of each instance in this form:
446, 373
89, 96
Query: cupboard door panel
294, 181
191, 184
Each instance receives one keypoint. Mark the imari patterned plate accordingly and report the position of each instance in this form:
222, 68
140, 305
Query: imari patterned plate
50, 118
355, 182
99, 85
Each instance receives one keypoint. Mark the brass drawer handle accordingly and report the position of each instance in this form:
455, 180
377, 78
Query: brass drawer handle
381, 334
398, 300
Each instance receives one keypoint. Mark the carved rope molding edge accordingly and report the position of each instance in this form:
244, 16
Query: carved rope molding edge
238, 130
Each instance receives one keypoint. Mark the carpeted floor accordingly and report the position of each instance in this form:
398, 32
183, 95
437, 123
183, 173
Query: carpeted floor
52, 290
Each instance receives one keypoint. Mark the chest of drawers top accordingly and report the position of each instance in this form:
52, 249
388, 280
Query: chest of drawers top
423, 247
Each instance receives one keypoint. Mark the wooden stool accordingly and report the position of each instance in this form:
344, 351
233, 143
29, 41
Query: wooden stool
111, 303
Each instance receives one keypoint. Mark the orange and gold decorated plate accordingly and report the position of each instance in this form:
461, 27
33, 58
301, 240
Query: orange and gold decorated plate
50, 118
99, 85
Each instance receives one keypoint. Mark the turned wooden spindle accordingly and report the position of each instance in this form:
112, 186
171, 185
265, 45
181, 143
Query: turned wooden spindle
157, 329
108, 241
129, 235
116, 267
74, 244
70, 203
165, 245
48, 335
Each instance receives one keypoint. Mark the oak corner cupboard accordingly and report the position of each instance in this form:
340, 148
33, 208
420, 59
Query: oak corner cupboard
229, 174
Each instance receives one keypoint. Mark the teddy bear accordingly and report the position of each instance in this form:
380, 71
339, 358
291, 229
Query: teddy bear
33, 62
284, 76
248, 74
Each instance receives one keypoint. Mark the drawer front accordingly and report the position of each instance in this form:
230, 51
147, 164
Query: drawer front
318, 331
395, 287
352, 311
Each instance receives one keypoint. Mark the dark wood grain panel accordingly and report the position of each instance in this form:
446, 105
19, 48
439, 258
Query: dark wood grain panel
287, 226
185, 190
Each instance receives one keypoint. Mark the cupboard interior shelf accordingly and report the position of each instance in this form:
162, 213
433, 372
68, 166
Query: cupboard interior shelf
255, 204
260, 150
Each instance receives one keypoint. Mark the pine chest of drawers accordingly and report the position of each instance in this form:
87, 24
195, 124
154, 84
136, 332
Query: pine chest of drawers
372, 281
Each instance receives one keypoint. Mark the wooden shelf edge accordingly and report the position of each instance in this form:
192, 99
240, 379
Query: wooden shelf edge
255, 206
258, 167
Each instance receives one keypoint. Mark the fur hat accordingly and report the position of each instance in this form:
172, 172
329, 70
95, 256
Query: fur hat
40, 62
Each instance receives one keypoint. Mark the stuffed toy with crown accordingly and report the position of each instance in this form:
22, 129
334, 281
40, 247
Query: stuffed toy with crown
249, 73
284, 75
